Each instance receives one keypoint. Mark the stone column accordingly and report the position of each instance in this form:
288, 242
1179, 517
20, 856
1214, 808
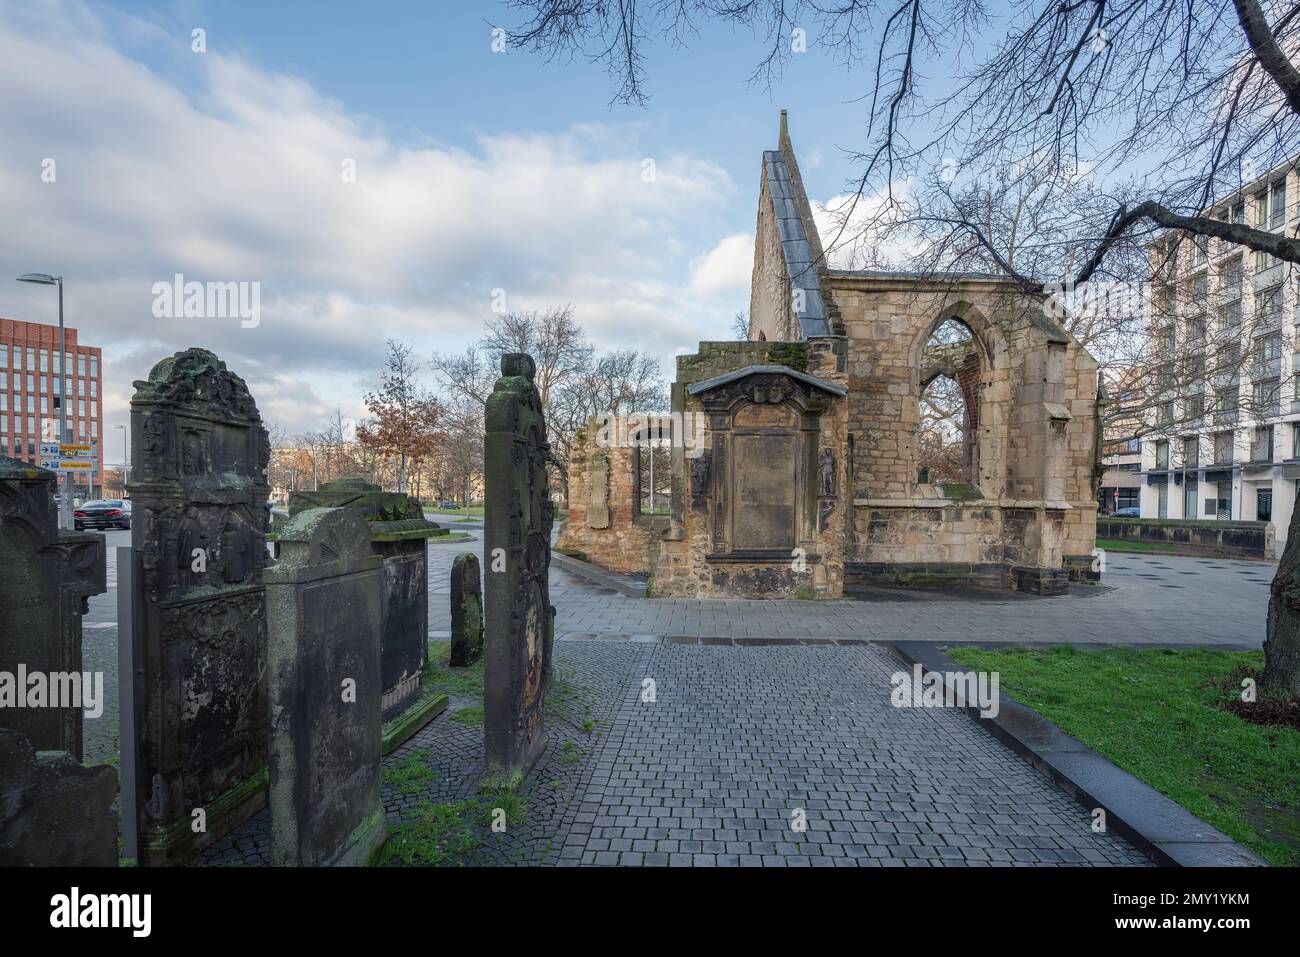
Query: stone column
325, 688
516, 548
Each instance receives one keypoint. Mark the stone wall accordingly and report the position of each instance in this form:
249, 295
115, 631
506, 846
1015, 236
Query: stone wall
1211, 537
604, 522
1032, 501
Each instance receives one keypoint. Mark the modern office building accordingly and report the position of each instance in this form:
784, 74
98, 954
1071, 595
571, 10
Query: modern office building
1232, 449
31, 392
1121, 482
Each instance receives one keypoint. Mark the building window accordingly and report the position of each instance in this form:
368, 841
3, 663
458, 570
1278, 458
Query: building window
81, 364
1268, 306
1200, 250
1222, 447
94, 367
1264, 505
1265, 395
1261, 448
1226, 400
1278, 204
1191, 452
4, 357
1162, 455
1269, 347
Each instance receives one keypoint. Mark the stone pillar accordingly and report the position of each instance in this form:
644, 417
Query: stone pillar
516, 547
325, 687
199, 485
400, 533
48, 575
466, 610
54, 812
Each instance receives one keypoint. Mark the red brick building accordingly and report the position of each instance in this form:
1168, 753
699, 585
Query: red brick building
30, 393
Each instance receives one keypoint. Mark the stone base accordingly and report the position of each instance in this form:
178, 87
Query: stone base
923, 575
178, 844
422, 709
1040, 581
1080, 568
363, 845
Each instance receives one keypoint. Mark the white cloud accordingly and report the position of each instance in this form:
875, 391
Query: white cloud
726, 268
241, 179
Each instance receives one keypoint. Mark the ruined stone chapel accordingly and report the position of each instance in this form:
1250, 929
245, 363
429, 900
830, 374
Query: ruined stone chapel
795, 469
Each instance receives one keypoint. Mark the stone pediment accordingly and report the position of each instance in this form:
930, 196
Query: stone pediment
737, 375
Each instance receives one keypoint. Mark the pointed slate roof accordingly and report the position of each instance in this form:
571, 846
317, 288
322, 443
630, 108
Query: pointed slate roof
800, 244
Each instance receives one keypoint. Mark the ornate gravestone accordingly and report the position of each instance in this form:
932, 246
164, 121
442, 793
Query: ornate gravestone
198, 463
399, 532
466, 610
325, 688
517, 549
54, 812
47, 577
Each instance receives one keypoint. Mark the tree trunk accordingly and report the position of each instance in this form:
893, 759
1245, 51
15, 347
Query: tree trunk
1282, 646
401, 475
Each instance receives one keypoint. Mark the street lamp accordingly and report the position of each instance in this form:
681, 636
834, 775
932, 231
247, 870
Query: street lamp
65, 491
126, 458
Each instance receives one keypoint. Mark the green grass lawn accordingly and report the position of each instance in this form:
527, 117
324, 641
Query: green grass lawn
1155, 713
1130, 545
474, 510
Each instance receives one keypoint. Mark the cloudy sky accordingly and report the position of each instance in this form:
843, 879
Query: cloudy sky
475, 171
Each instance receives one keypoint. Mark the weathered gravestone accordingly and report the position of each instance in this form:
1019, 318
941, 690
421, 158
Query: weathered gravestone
517, 549
47, 577
466, 610
399, 532
198, 466
325, 687
54, 811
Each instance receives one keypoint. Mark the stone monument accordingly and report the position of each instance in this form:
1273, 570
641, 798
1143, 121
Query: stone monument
48, 575
520, 619
325, 690
399, 532
466, 610
199, 485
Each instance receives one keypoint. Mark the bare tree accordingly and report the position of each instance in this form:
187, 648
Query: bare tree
740, 324
1181, 98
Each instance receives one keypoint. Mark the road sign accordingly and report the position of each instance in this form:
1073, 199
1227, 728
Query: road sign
70, 456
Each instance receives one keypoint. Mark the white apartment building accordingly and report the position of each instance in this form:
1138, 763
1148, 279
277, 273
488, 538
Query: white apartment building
1232, 449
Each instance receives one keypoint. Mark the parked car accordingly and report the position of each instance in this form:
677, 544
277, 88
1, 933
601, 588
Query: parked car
103, 513
1126, 513
448, 506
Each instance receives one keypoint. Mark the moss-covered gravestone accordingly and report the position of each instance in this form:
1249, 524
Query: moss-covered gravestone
325, 690
466, 610
45, 578
399, 532
520, 619
199, 458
